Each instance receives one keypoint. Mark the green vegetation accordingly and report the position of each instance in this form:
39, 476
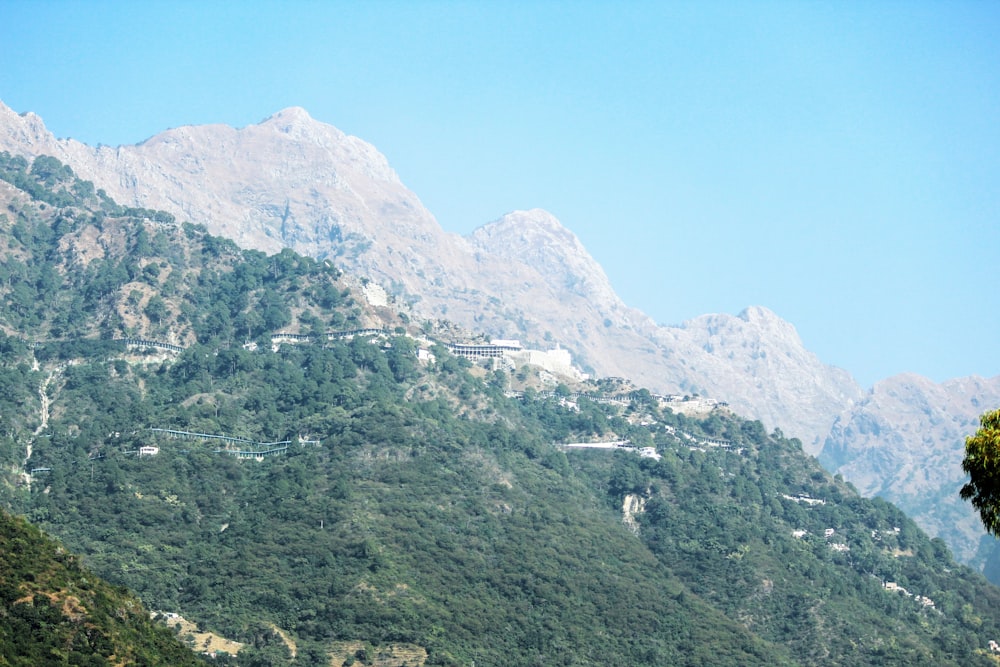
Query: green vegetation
982, 463
417, 505
54, 612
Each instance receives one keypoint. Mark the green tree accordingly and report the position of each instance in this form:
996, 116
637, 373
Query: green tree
156, 309
982, 463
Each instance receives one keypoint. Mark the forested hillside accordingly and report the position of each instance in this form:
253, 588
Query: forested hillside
337, 500
54, 612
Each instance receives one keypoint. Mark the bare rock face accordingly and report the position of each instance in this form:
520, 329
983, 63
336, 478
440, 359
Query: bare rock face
537, 239
905, 442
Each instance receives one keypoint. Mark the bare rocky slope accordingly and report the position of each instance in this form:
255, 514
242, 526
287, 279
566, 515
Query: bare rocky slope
291, 181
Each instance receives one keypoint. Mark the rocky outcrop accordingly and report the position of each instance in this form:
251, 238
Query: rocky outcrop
631, 506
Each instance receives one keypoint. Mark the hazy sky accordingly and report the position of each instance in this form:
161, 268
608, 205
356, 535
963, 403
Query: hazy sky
835, 162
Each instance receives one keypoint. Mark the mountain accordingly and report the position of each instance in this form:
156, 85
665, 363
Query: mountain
905, 442
291, 181
249, 441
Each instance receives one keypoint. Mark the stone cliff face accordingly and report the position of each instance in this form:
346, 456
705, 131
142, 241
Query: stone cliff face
291, 181
905, 442
536, 239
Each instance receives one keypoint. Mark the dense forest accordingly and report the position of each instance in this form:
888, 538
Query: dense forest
387, 507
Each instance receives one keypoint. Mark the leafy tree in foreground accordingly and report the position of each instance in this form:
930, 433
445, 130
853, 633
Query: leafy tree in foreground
982, 462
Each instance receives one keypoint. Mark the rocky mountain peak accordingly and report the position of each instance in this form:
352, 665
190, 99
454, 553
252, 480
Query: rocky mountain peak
299, 125
24, 129
537, 240
761, 316
290, 116
532, 224
537, 237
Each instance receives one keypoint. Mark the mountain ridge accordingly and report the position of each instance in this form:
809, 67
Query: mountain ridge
317, 197
293, 181
53, 608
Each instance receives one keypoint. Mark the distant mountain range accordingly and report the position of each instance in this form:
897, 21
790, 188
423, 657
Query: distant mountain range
292, 181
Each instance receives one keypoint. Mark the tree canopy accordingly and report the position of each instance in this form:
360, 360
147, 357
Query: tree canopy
982, 462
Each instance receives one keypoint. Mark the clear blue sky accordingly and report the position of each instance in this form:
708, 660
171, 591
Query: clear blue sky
836, 162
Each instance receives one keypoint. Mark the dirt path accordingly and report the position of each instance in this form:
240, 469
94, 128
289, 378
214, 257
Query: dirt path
289, 642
